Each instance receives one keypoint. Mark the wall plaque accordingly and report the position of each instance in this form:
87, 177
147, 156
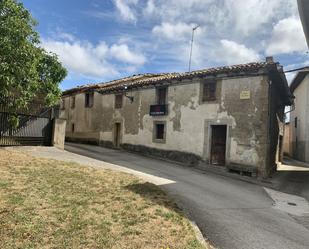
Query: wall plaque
245, 95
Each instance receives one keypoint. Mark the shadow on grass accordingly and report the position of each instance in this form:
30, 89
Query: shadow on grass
154, 194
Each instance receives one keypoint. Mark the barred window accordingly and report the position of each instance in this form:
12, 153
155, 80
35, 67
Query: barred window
209, 90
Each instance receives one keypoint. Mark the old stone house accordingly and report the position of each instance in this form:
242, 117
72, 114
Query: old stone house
299, 118
220, 116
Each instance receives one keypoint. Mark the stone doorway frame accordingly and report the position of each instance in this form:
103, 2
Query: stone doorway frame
208, 123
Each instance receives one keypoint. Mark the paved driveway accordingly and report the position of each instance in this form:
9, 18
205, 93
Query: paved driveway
232, 214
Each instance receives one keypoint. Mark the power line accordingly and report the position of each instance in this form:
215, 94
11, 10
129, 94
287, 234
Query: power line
296, 69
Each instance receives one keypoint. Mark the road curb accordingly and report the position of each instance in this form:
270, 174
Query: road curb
199, 235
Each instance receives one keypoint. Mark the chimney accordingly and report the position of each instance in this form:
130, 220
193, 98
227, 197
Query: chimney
270, 59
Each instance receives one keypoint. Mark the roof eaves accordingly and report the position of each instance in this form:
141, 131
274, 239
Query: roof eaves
298, 79
142, 80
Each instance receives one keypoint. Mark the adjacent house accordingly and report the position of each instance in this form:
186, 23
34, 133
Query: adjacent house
287, 145
303, 9
299, 119
226, 116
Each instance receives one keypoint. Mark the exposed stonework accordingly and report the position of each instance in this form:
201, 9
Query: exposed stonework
188, 159
189, 120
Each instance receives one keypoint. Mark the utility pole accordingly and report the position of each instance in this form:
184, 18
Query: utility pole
193, 29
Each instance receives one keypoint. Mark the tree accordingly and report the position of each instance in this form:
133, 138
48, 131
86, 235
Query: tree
27, 71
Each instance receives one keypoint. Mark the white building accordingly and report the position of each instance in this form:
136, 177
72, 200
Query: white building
299, 119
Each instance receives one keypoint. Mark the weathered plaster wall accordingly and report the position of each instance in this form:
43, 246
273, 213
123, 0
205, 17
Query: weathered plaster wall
188, 121
287, 148
248, 136
59, 133
301, 133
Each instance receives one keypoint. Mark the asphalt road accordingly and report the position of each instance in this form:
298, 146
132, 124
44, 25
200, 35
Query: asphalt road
293, 177
231, 214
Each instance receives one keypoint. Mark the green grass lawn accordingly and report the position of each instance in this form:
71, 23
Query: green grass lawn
53, 204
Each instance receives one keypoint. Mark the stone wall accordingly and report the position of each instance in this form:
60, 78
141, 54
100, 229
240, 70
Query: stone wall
188, 123
58, 137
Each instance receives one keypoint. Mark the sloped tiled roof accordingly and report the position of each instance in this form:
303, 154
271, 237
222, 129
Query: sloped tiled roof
298, 79
143, 80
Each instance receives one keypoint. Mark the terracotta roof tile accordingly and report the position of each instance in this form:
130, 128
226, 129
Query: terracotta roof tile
142, 80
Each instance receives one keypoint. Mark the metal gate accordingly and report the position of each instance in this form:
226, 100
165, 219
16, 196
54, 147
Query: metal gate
34, 128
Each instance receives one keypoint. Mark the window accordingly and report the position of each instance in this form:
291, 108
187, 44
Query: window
73, 102
295, 122
159, 132
73, 127
118, 101
209, 90
161, 95
88, 99
62, 104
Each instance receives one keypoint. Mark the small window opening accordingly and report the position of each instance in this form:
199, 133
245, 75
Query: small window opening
161, 95
89, 99
209, 90
118, 101
160, 131
73, 102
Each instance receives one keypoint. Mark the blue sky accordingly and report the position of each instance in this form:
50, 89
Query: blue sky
101, 40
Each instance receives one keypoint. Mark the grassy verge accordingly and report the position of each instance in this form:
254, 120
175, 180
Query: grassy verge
52, 204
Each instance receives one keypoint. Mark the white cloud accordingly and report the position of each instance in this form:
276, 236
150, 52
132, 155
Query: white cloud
173, 31
65, 36
244, 17
126, 12
99, 14
248, 16
80, 58
237, 32
96, 61
122, 53
231, 52
287, 37
150, 7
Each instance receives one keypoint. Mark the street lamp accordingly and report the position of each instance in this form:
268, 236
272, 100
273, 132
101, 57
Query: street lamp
131, 98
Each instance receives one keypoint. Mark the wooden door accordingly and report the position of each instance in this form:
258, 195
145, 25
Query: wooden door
218, 144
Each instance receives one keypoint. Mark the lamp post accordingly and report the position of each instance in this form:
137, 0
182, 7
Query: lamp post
193, 29
125, 88
131, 98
